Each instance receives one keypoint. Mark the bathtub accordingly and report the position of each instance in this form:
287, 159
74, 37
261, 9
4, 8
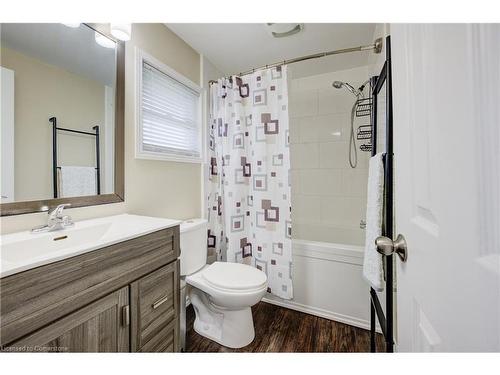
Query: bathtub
328, 282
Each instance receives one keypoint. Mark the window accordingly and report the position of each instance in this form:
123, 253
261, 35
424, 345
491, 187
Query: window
169, 119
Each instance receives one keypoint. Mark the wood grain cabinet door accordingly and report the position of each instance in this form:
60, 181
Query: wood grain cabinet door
102, 326
155, 310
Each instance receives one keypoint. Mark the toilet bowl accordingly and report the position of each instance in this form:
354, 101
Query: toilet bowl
221, 293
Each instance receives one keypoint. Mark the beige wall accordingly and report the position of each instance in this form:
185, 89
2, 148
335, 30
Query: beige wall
42, 91
156, 188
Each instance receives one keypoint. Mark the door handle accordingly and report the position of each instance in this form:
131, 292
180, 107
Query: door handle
386, 246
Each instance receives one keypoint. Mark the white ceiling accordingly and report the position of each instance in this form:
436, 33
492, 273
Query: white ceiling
73, 49
234, 48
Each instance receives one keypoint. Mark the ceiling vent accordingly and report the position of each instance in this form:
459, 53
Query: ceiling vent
281, 30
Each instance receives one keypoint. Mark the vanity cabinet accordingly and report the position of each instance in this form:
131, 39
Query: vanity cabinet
98, 327
124, 297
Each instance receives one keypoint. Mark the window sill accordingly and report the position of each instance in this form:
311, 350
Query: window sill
174, 158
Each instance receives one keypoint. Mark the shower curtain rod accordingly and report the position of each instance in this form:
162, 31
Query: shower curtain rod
376, 47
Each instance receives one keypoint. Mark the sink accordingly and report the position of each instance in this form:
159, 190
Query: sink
52, 242
25, 250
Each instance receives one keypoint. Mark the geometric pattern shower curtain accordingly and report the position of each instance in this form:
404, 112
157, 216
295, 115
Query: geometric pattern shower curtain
249, 178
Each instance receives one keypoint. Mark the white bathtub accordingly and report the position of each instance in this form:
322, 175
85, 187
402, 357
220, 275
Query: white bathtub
328, 282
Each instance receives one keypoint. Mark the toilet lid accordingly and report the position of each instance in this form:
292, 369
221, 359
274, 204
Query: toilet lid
234, 276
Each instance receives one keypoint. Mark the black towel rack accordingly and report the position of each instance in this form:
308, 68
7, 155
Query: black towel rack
386, 320
55, 167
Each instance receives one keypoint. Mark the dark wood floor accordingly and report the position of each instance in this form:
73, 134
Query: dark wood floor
278, 329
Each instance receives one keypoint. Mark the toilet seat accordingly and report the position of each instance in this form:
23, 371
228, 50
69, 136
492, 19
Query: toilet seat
233, 277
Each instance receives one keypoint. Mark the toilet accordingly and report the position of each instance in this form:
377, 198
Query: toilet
221, 293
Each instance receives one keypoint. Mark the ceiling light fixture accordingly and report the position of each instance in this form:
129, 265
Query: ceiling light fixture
280, 30
104, 41
121, 31
72, 25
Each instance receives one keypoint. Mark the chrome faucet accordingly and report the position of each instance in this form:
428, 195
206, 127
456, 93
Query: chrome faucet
56, 221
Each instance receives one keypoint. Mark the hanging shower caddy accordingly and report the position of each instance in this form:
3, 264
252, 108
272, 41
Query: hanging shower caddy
364, 108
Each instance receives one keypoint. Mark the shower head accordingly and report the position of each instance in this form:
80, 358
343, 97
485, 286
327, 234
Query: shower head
340, 84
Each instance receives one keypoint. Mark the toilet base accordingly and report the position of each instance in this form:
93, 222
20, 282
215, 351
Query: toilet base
231, 328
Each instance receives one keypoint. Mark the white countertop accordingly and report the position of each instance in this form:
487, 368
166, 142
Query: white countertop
22, 251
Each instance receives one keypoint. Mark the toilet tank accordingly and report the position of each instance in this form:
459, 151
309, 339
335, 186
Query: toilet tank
193, 243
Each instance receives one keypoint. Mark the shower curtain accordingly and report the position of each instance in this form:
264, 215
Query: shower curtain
249, 178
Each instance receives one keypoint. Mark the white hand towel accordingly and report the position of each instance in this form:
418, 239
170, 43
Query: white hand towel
77, 181
373, 267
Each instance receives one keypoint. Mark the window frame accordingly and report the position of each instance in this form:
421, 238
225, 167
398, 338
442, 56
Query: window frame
140, 153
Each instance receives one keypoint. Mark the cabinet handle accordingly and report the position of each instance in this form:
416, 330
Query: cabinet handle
126, 315
160, 302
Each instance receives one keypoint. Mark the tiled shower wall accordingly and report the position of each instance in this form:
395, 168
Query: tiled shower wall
328, 196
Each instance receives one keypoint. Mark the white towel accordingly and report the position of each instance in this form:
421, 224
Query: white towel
77, 181
373, 267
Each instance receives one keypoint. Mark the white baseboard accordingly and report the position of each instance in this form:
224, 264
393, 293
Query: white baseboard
341, 318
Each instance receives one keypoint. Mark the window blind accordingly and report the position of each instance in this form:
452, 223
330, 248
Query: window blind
170, 118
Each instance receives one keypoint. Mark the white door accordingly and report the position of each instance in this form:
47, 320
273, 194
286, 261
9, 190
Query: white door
446, 85
7, 134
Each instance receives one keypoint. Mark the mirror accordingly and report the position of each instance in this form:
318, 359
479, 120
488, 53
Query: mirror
60, 116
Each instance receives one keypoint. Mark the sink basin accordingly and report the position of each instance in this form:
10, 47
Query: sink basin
25, 250
52, 243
